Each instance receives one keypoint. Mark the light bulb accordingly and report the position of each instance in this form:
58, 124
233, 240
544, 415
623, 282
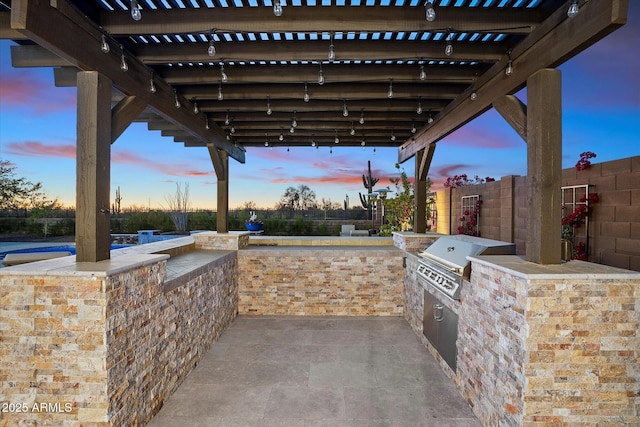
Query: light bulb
226, 119
429, 11
292, 129
320, 77
206, 124
419, 109
152, 85
277, 8
332, 53
573, 9
413, 128
393, 136
232, 129
390, 93
135, 10
266, 143
196, 110
223, 75
336, 139
345, 112
363, 143
176, 102
220, 97
509, 70
123, 61
104, 46
353, 130
211, 50
294, 122
361, 121
448, 50
474, 95
269, 106
313, 143
430, 119
423, 73
281, 137
305, 98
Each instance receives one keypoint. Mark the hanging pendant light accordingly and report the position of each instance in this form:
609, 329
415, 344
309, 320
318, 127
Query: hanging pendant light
332, 52
104, 45
277, 8
352, 131
430, 12
196, 110
136, 14
419, 109
269, 111
306, 98
345, 112
320, 76
390, 92
573, 10
220, 96
152, 85
176, 101
223, 75
423, 74
361, 121
123, 60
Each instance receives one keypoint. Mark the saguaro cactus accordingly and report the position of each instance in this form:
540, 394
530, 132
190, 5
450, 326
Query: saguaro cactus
368, 182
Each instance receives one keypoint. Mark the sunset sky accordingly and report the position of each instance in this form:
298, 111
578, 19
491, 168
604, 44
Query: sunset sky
601, 113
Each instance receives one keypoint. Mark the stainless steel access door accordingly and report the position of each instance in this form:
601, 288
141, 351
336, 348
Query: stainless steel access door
440, 327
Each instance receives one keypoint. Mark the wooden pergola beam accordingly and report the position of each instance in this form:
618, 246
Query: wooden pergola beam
553, 42
124, 113
514, 112
50, 27
313, 19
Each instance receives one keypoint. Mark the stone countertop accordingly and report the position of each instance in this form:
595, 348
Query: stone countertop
328, 248
319, 241
574, 269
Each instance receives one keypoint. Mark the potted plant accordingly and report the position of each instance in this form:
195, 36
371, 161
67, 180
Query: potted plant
253, 223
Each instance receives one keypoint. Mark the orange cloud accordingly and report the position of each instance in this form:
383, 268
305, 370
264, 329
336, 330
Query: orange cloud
26, 89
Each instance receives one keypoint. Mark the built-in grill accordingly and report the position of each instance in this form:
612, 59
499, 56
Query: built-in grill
444, 263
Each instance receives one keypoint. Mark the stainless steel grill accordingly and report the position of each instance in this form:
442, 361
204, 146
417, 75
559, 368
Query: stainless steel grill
444, 264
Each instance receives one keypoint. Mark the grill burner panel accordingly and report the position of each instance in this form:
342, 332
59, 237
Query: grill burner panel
444, 264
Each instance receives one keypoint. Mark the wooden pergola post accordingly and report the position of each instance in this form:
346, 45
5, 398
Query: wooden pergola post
220, 160
93, 167
544, 166
423, 162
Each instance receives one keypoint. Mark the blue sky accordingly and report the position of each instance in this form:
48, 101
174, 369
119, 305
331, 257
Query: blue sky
601, 113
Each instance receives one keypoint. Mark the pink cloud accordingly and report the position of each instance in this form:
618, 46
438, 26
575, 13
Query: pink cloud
38, 149
25, 90
478, 137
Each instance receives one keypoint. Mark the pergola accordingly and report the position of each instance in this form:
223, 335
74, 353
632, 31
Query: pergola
228, 75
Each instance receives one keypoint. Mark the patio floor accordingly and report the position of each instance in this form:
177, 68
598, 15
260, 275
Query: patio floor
317, 371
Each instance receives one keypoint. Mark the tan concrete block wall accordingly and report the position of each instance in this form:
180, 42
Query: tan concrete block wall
613, 224
332, 281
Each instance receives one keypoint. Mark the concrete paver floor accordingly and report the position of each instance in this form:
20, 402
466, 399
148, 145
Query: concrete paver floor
295, 371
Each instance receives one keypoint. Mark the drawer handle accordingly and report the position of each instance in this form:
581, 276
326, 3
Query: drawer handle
438, 314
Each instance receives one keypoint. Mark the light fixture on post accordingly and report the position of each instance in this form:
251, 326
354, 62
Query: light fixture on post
196, 110
277, 8
419, 109
509, 68
332, 52
306, 97
573, 9
430, 12
152, 85
390, 91
223, 75
269, 111
448, 49
423, 73
345, 112
104, 44
176, 101
211, 50
123, 60
135, 10
320, 76
361, 121
220, 96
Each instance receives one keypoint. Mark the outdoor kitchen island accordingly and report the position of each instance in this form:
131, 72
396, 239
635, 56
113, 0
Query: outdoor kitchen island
540, 344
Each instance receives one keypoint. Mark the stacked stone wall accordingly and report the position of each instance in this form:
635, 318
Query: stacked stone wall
106, 347
327, 281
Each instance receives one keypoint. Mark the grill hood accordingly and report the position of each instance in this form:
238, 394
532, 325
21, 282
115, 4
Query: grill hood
451, 252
